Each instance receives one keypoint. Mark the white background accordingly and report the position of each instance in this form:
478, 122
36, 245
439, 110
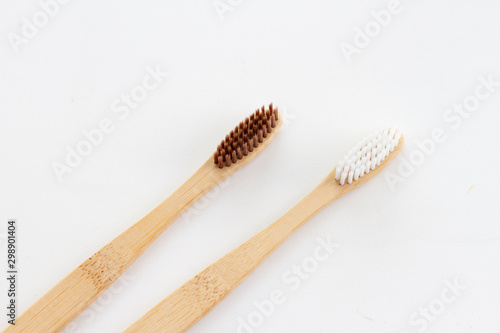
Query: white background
397, 244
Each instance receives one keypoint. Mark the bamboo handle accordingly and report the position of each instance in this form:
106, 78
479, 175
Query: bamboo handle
66, 300
188, 304
85, 284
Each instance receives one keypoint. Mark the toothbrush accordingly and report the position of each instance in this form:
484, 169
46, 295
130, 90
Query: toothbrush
85, 284
188, 304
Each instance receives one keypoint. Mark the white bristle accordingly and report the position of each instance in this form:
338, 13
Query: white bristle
339, 168
351, 175
368, 154
343, 177
362, 170
356, 174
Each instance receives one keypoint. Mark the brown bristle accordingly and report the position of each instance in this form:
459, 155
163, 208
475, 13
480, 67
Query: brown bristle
250, 144
246, 136
261, 136
268, 124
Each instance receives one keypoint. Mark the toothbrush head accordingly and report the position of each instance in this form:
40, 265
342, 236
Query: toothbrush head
248, 136
368, 154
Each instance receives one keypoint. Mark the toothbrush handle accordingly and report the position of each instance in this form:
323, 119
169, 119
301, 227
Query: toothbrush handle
188, 304
71, 296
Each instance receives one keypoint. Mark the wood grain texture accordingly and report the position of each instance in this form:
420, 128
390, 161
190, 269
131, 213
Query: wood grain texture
71, 296
188, 304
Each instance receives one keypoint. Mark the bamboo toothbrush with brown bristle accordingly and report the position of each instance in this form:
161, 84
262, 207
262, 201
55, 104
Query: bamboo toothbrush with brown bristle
86, 283
188, 304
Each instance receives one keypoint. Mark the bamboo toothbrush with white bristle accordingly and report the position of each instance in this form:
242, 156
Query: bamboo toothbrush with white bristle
188, 304
86, 283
